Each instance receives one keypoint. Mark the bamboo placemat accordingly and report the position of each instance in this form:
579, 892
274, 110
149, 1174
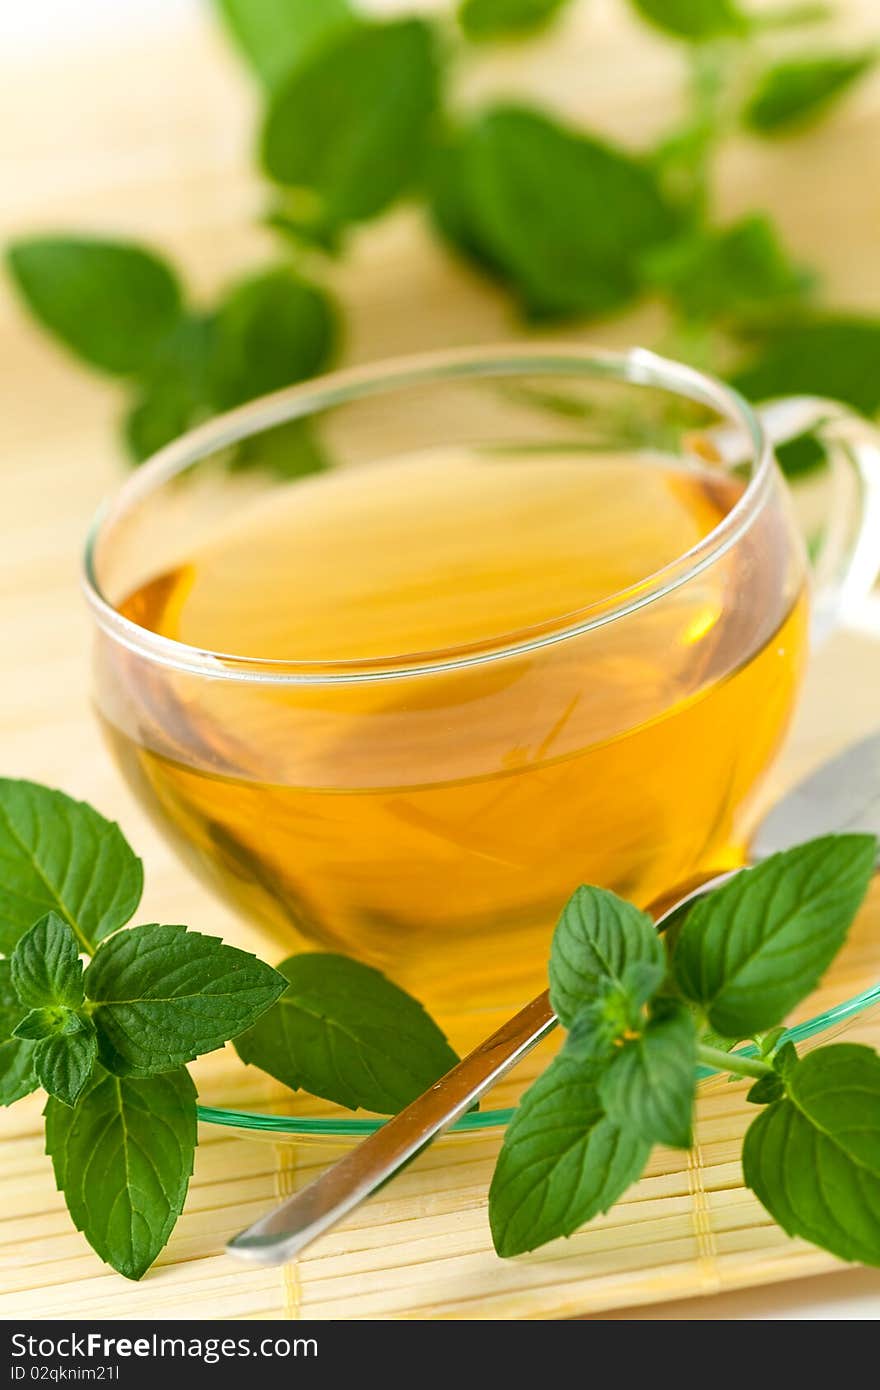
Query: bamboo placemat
150, 139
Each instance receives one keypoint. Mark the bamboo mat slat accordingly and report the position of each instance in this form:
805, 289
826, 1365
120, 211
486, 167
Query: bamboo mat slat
151, 139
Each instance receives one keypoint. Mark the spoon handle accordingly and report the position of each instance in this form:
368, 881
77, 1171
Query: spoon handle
285, 1231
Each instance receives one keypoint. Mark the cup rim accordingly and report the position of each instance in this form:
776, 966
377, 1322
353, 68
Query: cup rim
637, 366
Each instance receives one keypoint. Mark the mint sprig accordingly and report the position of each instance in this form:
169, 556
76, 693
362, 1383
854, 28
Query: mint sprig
746, 955
108, 1044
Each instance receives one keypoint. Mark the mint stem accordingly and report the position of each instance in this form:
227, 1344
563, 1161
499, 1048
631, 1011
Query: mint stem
733, 1062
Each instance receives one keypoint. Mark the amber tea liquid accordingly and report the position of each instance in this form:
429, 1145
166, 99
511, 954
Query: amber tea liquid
434, 824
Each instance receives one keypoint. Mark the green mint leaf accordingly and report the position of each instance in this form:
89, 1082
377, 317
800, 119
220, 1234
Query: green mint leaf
12, 1011
64, 1062
563, 1161
813, 1158
832, 357
794, 93
46, 968
351, 123
801, 456
768, 1042
739, 271
59, 855
650, 1085
270, 331
766, 1090
275, 35
291, 450
450, 204
597, 940
123, 1158
694, 19
17, 1077
110, 302
165, 995
174, 393
752, 949
159, 414
786, 1058
492, 19
565, 216
47, 1023
344, 1032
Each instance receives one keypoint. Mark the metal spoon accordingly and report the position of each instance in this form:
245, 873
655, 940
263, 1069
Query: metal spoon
843, 794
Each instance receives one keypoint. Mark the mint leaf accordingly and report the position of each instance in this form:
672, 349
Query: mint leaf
165, 995
344, 1032
59, 855
174, 392
64, 1062
832, 357
492, 19
597, 939
737, 271
160, 414
110, 302
46, 968
649, 1086
270, 331
290, 450
123, 1158
694, 19
17, 1077
749, 951
766, 1090
794, 93
351, 123
813, 1158
562, 1161
46, 1023
275, 35
12, 1011
564, 215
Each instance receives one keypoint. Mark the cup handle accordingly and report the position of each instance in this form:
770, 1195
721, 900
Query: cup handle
847, 563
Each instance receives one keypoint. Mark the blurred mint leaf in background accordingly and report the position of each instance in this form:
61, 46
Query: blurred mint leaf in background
794, 93
494, 19
275, 35
174, 388
269, 331
110, 302
833, 357
813, 1157
291, 450
345, 1032
694, 19
739, 271
563, 215
123, 1157
351, 123
60, 855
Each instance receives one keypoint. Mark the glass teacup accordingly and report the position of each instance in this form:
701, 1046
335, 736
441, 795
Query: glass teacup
403, 655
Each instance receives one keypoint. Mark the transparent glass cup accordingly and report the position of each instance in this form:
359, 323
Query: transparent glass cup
429, 810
